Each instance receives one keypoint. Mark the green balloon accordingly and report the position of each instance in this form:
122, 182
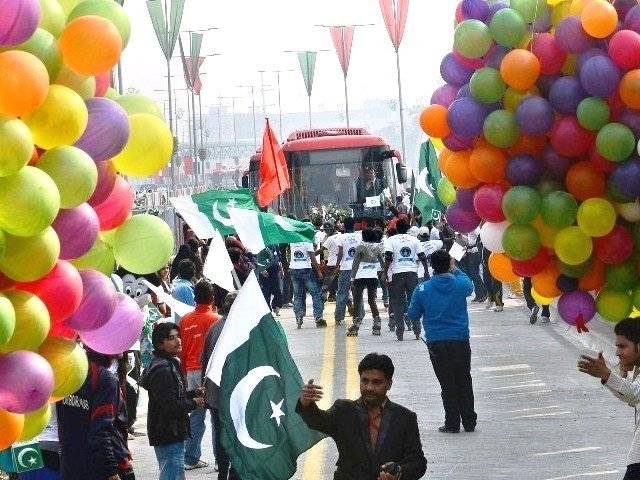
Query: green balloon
100, 258
623, 276
548, 185
593, 113
508, 28
487, 86
574, 271
44, 46
108, 9
501, 129
446, 191
112, 94
3, 243
52, 17
635, 296
614, 305
472, 39
521, 204
521, 242
530, 10
7, 319
136, 103
559, 209
615, 142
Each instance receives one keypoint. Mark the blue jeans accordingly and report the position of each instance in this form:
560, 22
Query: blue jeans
192, 446
304, 280
171, 461
342, 296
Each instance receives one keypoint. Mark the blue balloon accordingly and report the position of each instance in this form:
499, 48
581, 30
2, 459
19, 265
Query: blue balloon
535, 115
626, 177
475, 9
524, 170
600, 76
566, 94
466, 117
453, 72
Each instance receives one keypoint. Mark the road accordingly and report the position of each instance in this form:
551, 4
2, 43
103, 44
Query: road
538, 418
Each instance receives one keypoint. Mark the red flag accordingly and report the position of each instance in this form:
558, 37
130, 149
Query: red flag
274, 175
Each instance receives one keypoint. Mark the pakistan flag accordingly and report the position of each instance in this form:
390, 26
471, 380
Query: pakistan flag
425, 184
259, 389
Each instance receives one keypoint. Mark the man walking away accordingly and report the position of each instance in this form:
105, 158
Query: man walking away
533, 307
377, 439
194, 327
402, 253
441, 302
330, 244
347, 243
305, 279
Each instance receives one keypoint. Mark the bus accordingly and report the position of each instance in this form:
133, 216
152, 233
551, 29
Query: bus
346, 168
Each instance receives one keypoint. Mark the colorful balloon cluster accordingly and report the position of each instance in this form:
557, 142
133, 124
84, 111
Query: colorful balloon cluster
65, 213
539, 118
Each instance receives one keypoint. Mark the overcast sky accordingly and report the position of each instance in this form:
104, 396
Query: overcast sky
253, 34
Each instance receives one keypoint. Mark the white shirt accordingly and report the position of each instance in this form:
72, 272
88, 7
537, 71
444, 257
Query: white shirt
300, 255
405, 249
429, 247
331, 244
318, 238
348, 242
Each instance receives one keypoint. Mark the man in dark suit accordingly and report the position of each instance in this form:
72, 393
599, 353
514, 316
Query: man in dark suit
376, 438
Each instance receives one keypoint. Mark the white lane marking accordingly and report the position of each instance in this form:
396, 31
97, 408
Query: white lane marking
586, 474
563, 452
512, 375
487, 335
520, 410
506, 368
520, 386
542, 415
520, 394
500, 355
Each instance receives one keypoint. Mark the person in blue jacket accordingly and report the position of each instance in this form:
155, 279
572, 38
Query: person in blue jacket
441, 303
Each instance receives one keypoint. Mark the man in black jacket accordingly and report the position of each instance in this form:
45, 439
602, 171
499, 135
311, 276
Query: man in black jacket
376, 438
169, 402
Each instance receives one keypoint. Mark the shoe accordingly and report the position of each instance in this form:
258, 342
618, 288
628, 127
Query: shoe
200, 464
352, 331
445, 429
215, 465
545, 320
488, 306
320, 323
400, 336
533, 318
299, 323
469, 429
276, 311
331, 299
392, 327
338, 322
499, 308
376, 331
287, 305
386, 304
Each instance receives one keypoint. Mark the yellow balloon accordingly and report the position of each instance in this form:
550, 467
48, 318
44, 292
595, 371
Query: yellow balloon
513, 97
560, 12
60, 120
148, 149
438, 144
596, 217
83, 86
547, 234
69, 363
68, 5
573, 246
541, 300
578, 5
32, 322
100, 258
27, 259
35, 423
569, 67
16, 145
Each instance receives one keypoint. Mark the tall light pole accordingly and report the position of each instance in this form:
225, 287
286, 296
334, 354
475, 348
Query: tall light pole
233, 112
253, 113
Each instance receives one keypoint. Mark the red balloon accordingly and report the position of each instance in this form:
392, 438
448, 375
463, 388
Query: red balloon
61, 330
551, 56
600, 162
614, 248
103, 82
117, 207
5, 282
487, 202
569, 139
616, 106
533, 266
60, 290
624, 49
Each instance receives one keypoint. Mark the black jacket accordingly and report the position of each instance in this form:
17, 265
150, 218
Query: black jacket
347, 423
169, 401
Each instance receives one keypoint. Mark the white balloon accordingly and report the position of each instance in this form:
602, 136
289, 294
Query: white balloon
629, 211
491, 236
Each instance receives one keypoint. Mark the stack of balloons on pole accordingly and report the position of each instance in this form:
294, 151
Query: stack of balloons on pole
539, 120
65, 212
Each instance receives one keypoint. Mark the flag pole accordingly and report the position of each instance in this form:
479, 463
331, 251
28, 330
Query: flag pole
346, 100
400, 104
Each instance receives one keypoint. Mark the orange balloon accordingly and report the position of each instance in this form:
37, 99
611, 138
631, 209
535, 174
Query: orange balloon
585, 181
443, 158
545, 281
488, 163
433, 121
532, 145
458, 171
630, 89
520, 69
90, 45
599, 18
24, 83
11, 425
594, 278
501, 268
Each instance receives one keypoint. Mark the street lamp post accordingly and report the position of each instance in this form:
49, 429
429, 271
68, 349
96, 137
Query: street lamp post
253, 112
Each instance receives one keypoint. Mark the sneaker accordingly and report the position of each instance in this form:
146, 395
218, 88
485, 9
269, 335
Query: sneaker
545, 320
445, 429
376, 330
385, 303
352, 331
320, 323
299, 323
392, 327
400, 336
533, 318
200, 464
499, 308
338, 322
479, 300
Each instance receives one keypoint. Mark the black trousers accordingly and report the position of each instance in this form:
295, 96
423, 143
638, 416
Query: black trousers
526, 289
357, 289
400, 291
470, 264
451, 362
493, 286
633, 472
225, 470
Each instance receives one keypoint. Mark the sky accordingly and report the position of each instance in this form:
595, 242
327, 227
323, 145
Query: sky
252, 35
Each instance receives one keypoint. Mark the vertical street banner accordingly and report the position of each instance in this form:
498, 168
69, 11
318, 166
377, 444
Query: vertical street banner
342, 37
307, 62
166, 29
394, 13
191, 64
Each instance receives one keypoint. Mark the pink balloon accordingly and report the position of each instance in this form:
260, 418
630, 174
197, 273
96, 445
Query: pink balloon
487, 202
117, 208
103, 82
98, 302
77, 229
122, 330
18, 20
106, 181
27, 381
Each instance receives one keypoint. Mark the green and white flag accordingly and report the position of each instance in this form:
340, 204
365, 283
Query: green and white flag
425, 183
259, 390
208, 211
258, 230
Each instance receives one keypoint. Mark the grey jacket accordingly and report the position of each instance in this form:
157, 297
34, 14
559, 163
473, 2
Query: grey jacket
211, 389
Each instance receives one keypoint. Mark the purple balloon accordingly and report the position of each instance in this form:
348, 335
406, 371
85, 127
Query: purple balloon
27, 381
106, 181
543, 23
461, 220
624, 6
121, 331
571, 37
464, 198
545, 82
466, 117
464, 92
632, 19
495, 56
588, 55
444, 95
475, 9
77, 229
555, 165
18, 20
524, 170
576, 304
495, 8
453, 72
631, 118
566, 94
98, 302
107, 131
535, 115
600, 76
626, 177
457, 143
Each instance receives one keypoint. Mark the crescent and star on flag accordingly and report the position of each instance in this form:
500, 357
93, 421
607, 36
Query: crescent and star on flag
221, 218
421, 182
